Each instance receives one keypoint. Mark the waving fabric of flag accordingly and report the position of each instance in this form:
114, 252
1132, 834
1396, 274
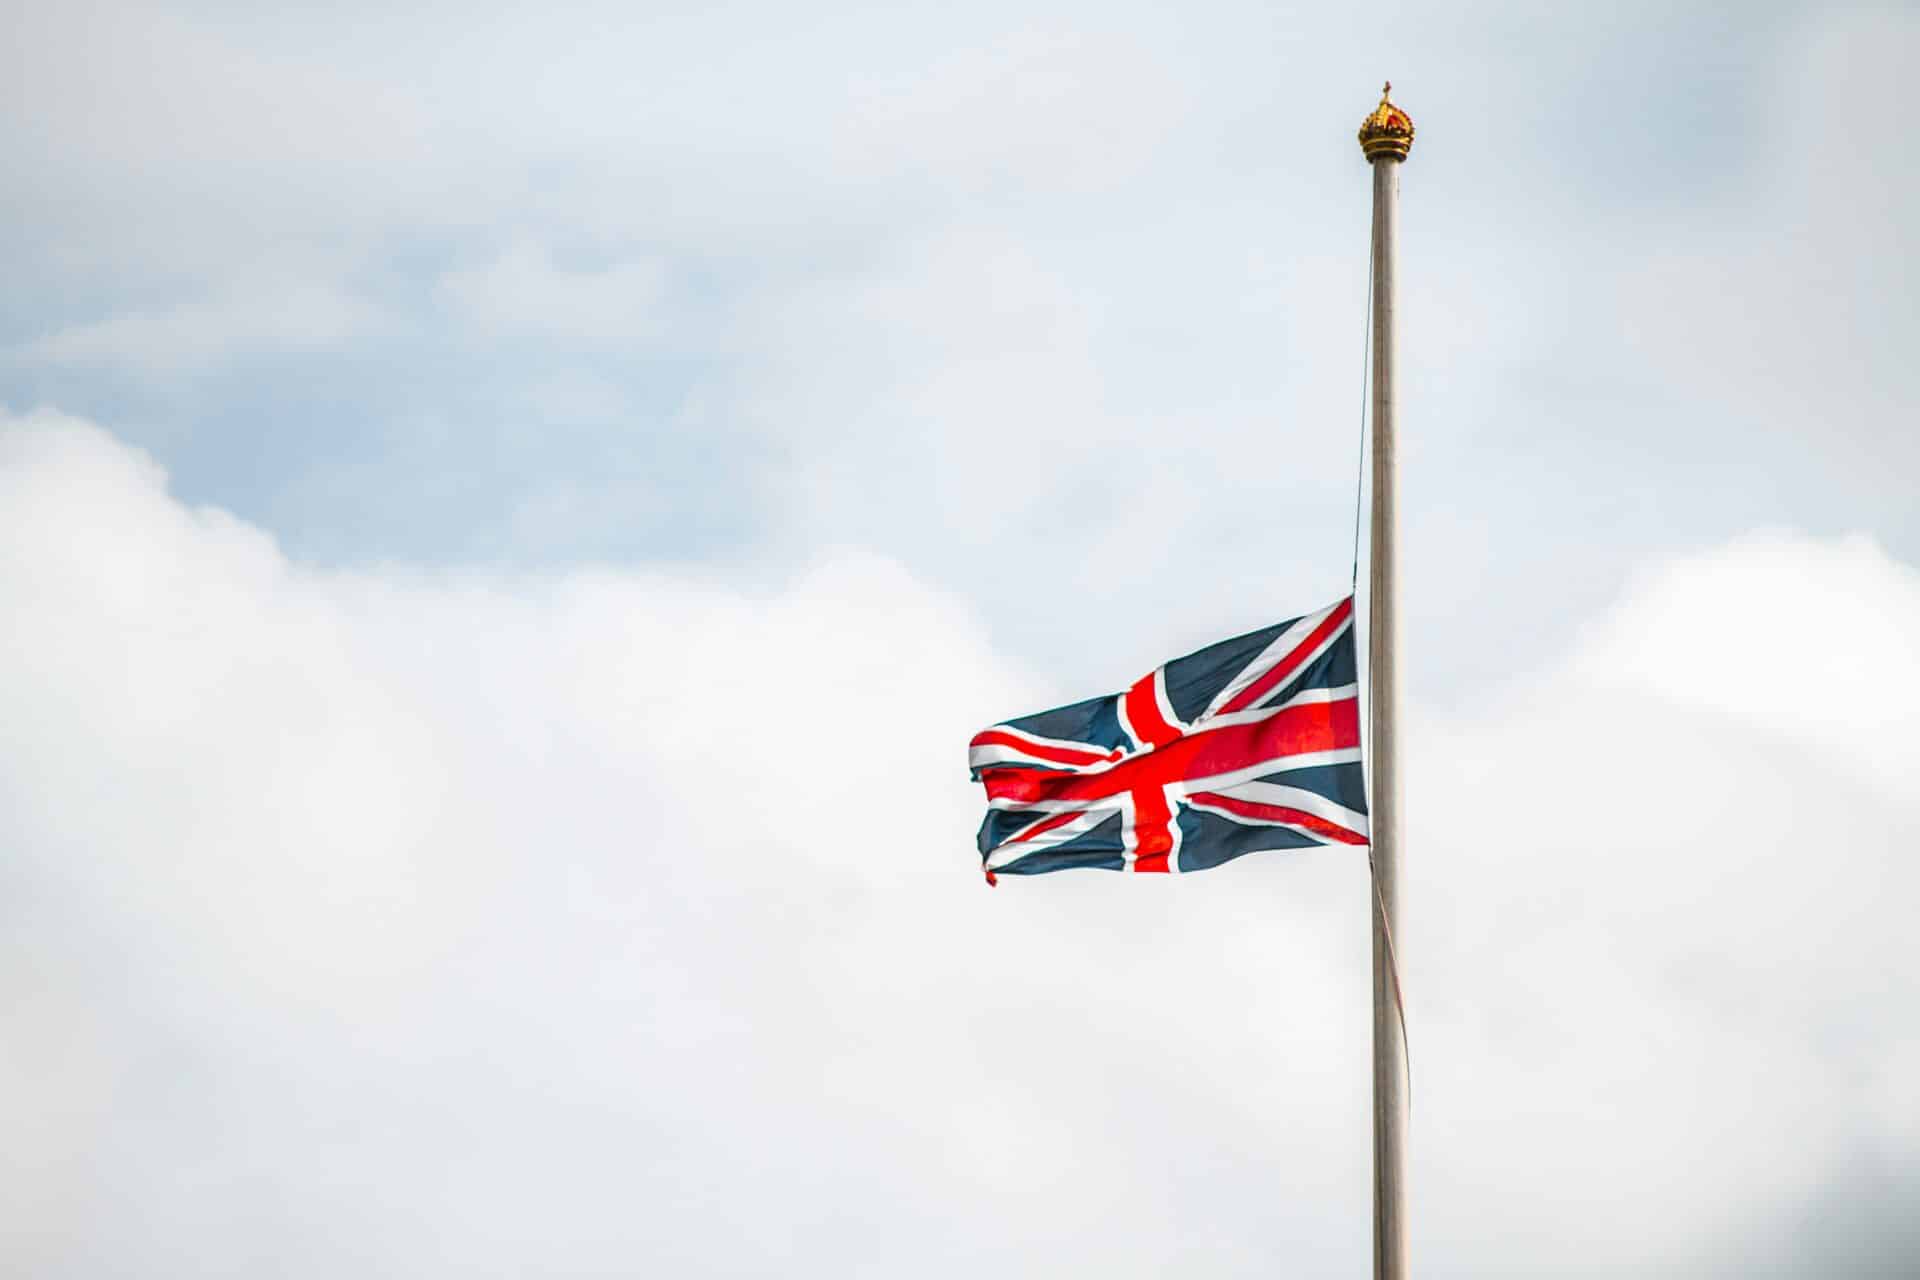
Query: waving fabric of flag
1247, 745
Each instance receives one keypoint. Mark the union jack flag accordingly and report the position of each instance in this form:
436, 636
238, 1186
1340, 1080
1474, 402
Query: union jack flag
1249, 744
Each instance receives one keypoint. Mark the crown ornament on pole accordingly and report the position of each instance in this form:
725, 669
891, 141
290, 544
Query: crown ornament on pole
1387, 134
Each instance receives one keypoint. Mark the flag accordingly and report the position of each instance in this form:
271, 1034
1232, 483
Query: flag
1250, 744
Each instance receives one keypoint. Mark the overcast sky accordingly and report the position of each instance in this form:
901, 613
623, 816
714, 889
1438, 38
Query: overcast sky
509, 518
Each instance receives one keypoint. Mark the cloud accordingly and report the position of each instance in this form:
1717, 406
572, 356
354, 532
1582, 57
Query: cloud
173, 145
523, 292
955, 284
423, 922
189, 337
1785, 302
1772, 611
591, 921
1655, 909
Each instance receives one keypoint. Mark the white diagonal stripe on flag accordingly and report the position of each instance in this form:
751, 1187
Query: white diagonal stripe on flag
1015, 848
1300, 798
1282, 645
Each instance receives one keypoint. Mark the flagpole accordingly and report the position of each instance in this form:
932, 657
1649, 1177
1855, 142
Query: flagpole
1385, 138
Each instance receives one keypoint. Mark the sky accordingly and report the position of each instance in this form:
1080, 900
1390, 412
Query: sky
508, 518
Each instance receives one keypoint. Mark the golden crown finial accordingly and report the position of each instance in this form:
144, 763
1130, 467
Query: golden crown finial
1386, 134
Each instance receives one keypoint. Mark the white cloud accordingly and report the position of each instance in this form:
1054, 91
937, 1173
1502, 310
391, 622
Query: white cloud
1786, 304
610, 909
523, 292
388, 922
962, 283
186, 337
1826, 629
1660, 910
177, 144
1070, 105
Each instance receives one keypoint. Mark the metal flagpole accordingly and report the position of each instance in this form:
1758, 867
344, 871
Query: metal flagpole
1386, 137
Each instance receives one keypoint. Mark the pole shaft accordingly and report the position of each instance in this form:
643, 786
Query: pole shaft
1383, 646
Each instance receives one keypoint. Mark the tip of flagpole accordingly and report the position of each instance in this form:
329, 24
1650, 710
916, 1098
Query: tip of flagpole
1386, 133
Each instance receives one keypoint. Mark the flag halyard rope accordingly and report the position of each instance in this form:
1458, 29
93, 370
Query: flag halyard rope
1393, 974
